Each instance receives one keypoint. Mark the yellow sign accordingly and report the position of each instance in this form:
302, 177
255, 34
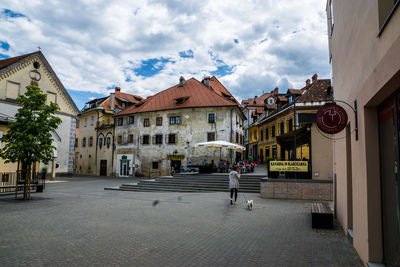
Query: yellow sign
288, 166
175, 156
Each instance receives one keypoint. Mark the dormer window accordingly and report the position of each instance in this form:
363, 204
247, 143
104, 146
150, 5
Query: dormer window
270, 101
181, 99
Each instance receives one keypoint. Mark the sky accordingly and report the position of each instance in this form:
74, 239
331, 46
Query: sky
144, 46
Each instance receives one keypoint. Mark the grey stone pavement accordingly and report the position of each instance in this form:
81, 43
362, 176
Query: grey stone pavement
77, 223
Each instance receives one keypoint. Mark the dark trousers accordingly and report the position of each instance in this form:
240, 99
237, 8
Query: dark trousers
232, 190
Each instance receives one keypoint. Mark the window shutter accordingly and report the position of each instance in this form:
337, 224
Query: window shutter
141, 139
153, 139
166, 139
176, 138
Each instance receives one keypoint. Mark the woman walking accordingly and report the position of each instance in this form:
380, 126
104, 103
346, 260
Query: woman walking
234, 177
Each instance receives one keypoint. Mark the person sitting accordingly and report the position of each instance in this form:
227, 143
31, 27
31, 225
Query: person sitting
205, 162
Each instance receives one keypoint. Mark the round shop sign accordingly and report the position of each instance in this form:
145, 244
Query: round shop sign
331, 118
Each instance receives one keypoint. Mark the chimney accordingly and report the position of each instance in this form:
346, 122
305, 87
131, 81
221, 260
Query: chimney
206, 81
112, 100
276, 91
181, 81
314, 78
307, 82
117, 89
254, 101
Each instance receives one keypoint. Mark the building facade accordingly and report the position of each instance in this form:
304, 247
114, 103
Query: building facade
365, 57
33, 69
94, 144
165, 127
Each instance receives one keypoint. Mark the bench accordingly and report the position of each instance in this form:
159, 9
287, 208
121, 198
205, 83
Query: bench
321, 216
10, 189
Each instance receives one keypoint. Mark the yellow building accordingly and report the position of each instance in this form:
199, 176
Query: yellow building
94, 144
277, 134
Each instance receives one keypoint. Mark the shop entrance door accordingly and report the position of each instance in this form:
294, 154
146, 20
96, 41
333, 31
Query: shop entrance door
176, 165
124, 170
103, 167
389, 133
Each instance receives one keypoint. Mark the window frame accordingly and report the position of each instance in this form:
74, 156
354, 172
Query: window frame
146, 122
210, 136
174, 120
120, 121
213, 120
159, 121
131, 119
158, 139
147, 138
170, 138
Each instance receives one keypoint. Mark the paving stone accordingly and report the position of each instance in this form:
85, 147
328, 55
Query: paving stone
78, 223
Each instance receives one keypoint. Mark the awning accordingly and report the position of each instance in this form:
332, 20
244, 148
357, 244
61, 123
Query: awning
303, 136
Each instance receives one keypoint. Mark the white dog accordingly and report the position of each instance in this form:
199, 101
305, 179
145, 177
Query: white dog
249, 204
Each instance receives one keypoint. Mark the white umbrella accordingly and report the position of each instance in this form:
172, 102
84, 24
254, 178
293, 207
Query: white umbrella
220, 144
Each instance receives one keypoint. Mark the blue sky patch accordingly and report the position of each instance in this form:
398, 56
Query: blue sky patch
4, 45
152, 66
81, 97
236, 41
186, 54
2, 56
11, 14
222, 69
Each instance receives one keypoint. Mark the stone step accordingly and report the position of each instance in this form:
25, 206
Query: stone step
198, 182
191, 187
175, 189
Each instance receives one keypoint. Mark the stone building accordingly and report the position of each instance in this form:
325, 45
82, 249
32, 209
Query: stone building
159, 133
94, 144
364, 47
18, 72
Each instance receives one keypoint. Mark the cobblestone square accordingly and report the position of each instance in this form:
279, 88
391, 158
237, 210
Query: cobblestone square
78, 223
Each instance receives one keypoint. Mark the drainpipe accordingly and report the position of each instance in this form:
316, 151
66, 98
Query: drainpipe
230, 135
97, 138
112, 151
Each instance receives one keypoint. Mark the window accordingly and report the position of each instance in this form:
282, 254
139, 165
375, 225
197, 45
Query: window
282, 127
330, 17
85, 122
175, 120
266, 134
290, 124
76, 140
261, 135
172, 138
90, 141
108, 141
91, 120
211, 117
77, 123
120, 121
131, 119
130, 138
267, 155
119, 139
146, 122
274, 152
145, 139
100, 142
155, 165
211, 136
159, 121
157, 139
84, 142
386, 9
237, 137
273, 131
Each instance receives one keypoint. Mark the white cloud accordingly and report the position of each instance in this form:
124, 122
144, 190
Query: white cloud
93, 45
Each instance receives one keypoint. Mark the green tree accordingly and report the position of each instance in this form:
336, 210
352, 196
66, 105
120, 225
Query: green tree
29, 138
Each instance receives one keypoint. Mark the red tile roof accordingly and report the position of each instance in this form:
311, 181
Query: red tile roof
220, 89
197, 94
317, 91
294, 91
259, 100
9, 61
118, 104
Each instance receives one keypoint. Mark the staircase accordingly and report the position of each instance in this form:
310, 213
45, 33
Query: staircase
193, 183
